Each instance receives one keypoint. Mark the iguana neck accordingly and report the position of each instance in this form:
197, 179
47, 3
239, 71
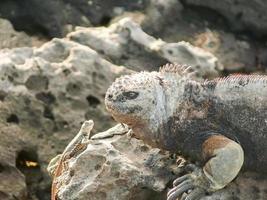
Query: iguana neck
176, 104
191, 104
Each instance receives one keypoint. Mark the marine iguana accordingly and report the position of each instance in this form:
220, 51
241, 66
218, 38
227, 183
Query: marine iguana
221, 123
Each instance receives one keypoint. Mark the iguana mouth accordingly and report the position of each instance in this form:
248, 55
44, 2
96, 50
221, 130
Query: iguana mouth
109, 105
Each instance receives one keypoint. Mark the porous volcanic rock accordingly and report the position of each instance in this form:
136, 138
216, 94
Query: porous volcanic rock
212, 25
124, 42
118, 166
47, 92
12, 143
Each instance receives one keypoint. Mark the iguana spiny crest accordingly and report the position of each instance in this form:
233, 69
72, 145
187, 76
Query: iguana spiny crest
147, 97
213, 122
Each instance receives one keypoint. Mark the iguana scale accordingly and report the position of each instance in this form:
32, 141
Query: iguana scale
220, 123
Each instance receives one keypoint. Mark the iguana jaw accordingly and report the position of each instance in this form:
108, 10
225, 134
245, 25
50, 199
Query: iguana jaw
131, 122
121, 113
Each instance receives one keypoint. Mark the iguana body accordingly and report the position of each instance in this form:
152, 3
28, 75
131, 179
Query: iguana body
220, 123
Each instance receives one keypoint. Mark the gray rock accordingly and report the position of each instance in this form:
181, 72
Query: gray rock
117, 167
12, 144
125, 42
59, 71
123, 167
201, 25
235, 53
116, 44
47, 92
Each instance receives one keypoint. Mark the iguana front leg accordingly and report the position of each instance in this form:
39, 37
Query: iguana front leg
224, 159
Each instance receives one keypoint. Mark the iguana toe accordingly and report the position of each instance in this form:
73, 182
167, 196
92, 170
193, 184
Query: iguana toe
195, 194
179, 190
191, 186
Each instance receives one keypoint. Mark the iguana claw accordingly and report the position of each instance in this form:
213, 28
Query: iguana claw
191, 186
119, 129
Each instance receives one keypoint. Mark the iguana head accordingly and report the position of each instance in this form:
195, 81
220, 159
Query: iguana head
141, 97
131, 98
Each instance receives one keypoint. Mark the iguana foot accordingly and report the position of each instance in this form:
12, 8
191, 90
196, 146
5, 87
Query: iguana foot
191, 186
224, 159
119, 129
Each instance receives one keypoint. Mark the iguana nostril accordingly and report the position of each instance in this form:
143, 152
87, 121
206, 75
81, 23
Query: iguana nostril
110, 96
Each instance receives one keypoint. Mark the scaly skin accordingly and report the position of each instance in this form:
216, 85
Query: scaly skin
213, 122
75, 147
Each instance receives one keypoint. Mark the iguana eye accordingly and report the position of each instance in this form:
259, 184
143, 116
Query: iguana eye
130, 95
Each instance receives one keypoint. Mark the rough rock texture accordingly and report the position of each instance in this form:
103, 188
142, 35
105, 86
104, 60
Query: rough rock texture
242, 15
45, 93
171, 20
48, 92
239, 26
124, 42
121, 167
13, 185
116, 44
195, 22
9, 38
236, 54
65, 79
117, 167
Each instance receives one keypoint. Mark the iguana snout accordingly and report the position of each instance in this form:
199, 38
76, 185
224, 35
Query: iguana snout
131, 97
